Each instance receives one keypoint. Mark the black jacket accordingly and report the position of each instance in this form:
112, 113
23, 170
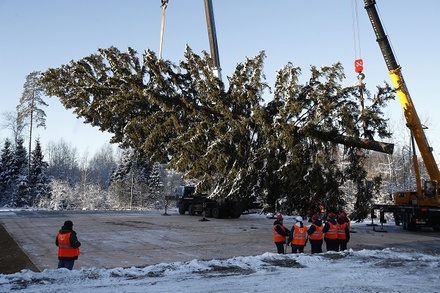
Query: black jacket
312, 228
280, 230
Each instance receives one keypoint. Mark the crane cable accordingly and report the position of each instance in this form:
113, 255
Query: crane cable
358, 62
163, 5
356, 36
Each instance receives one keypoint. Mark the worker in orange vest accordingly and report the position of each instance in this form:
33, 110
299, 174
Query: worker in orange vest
298, 236
343, 226
343, 216
279, 233
315, 234
330, 231
68, 246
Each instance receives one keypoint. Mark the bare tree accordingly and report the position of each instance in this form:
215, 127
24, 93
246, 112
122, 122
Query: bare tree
12, 123
101, 166
63, 163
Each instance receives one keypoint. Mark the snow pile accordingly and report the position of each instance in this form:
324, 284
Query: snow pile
386, 270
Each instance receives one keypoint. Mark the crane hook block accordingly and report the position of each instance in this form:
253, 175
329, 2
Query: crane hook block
358, 65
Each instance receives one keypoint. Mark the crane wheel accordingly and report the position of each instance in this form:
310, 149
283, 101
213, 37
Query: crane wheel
216, 213
191, 210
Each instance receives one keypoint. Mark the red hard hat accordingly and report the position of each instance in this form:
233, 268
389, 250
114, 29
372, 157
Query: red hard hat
342, 215
315, 217
331, 215
279, 218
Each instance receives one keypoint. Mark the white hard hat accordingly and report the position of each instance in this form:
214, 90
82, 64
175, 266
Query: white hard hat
299, 219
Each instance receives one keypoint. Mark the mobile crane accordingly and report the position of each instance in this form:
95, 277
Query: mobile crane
420, 208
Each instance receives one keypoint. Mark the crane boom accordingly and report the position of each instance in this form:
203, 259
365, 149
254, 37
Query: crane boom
395, 72
414, 209
212, 37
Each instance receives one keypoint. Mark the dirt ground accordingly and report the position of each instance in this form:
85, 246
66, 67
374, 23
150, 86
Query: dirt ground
139, 238
12, 257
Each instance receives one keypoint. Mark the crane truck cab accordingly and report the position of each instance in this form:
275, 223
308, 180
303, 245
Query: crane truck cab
188, 200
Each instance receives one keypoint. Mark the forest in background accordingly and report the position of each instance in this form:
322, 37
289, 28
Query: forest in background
60, 178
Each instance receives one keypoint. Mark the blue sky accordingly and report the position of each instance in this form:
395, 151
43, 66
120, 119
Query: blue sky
37, 35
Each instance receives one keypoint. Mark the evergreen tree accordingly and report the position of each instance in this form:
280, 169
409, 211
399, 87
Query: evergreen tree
6, 173
155, 193
39, 182
130, 179
230, 141
21, 195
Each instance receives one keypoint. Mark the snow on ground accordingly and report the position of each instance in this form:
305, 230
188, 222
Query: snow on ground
387, 270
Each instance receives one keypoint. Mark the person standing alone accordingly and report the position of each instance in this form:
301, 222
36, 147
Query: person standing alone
68, 246
279, 234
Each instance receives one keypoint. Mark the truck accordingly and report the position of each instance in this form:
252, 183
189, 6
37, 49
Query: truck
418, 208
188, 200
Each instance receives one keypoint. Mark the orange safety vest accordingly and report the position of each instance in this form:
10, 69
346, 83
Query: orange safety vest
341, 231
277, 237
64, 248
332, 233
300, 235
317, 235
